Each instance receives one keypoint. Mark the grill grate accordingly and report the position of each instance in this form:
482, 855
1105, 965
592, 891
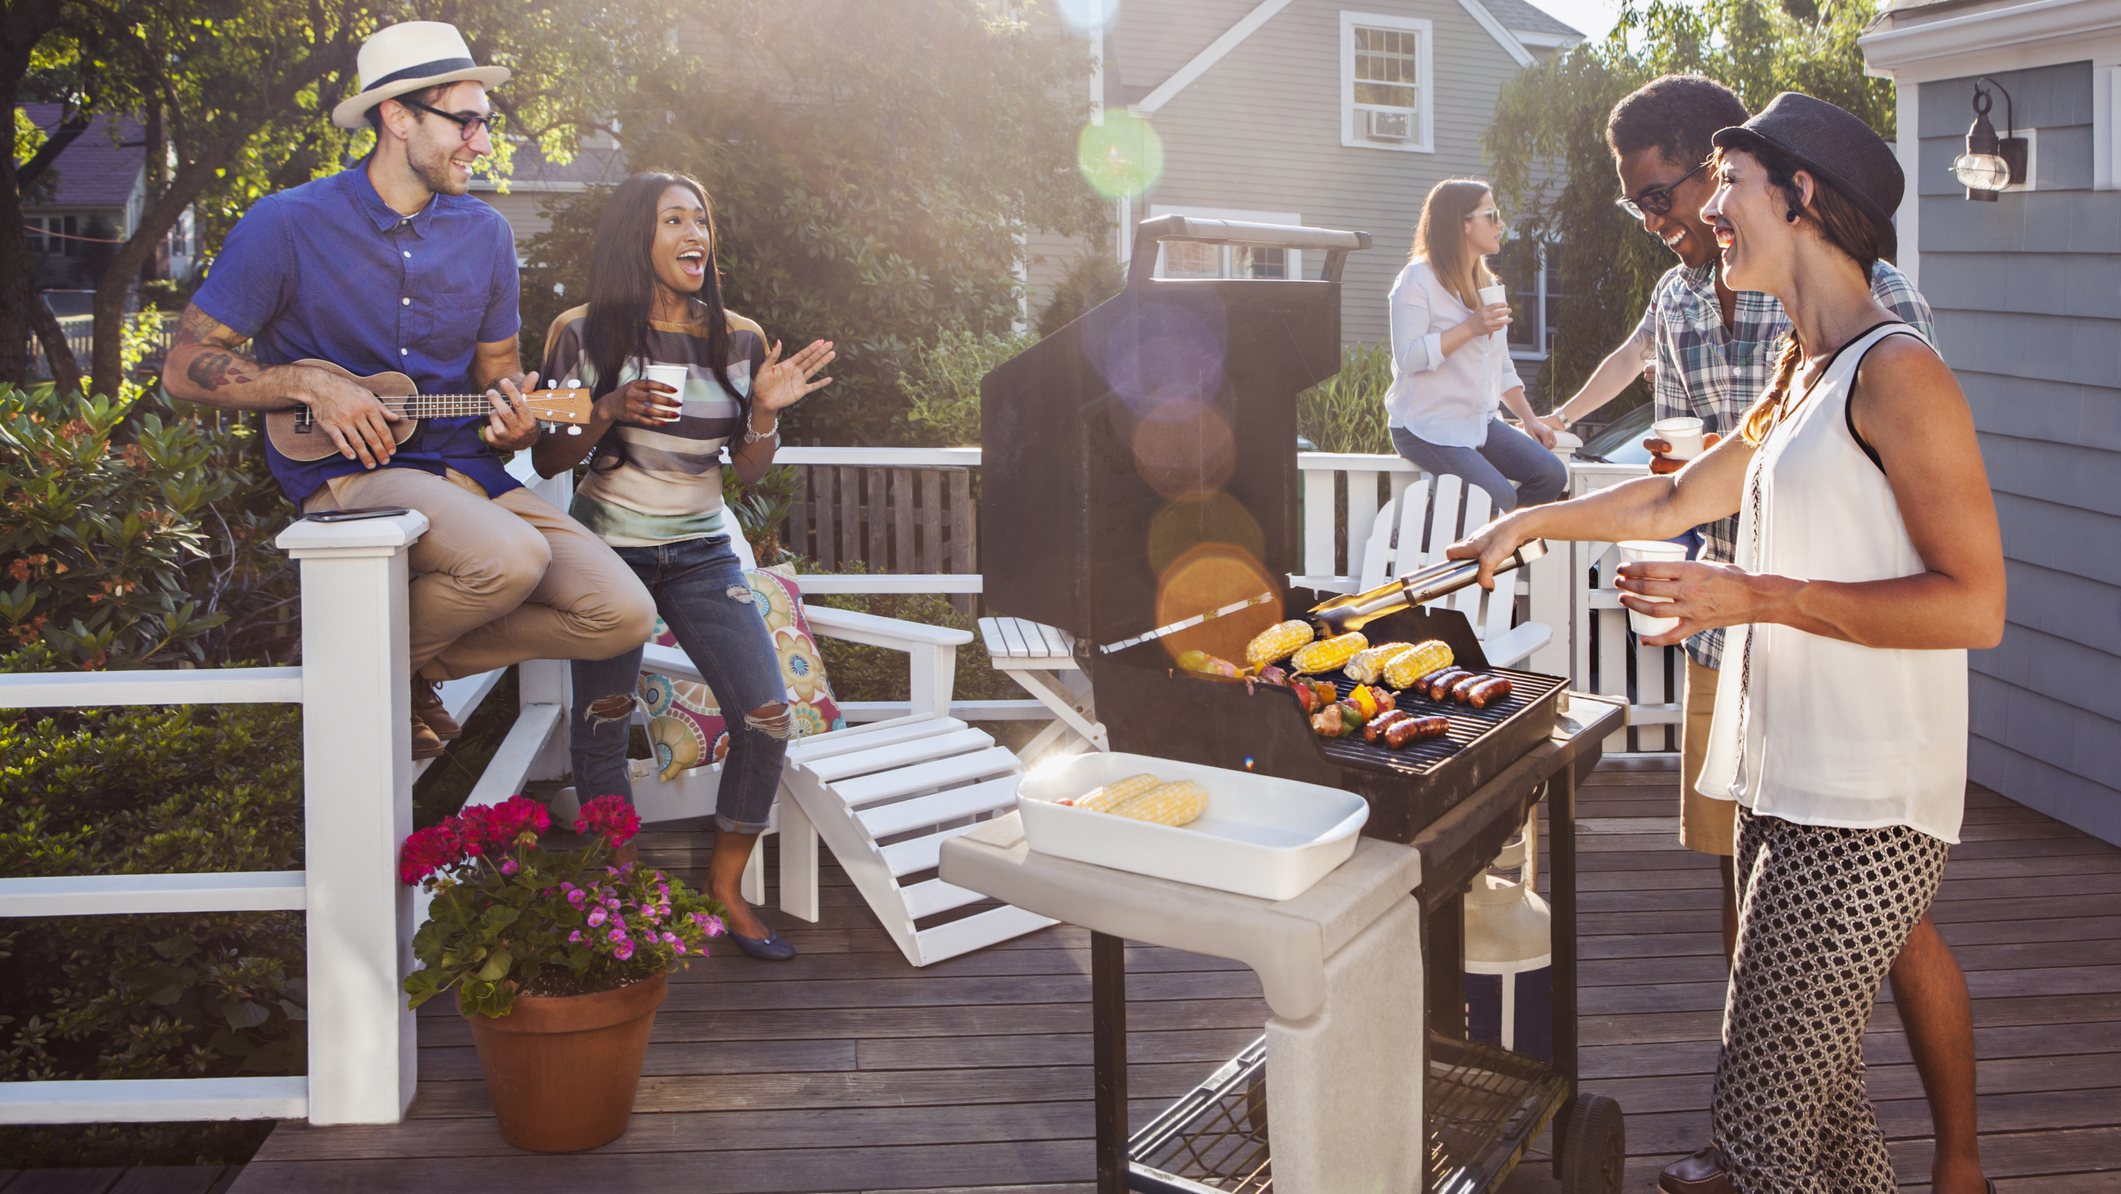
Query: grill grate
1215, 1138
1467, 724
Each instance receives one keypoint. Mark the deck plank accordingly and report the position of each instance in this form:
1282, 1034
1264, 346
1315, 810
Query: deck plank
847, 1071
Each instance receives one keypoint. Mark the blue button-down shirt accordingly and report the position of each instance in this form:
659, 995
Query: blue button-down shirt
328, 270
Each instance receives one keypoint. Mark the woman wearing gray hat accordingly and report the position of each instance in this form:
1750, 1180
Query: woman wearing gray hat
1868, 562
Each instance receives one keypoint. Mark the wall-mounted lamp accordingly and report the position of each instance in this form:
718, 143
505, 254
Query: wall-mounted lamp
1990, 163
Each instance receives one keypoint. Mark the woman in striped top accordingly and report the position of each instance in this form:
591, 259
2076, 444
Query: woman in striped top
654, 493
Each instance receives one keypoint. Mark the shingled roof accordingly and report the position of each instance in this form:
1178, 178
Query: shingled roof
102, 166
1520, 17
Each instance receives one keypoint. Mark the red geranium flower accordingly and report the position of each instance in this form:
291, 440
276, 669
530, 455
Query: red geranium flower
611, 818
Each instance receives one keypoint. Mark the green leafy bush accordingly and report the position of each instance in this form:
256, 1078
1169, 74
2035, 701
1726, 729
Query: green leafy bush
139, 791
137, 536
941, 385
1091, 279
1346, 412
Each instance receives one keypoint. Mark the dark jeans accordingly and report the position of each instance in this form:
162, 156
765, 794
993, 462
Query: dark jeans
1509, 455
700, 591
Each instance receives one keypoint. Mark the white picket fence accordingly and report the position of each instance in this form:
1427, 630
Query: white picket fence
357, 779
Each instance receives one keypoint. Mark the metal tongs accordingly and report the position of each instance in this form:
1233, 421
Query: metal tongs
1419, 587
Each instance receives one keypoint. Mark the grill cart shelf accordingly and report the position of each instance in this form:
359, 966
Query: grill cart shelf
1480, 1107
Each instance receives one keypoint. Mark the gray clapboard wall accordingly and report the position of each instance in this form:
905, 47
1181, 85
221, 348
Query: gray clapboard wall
2027, 292
1261, 130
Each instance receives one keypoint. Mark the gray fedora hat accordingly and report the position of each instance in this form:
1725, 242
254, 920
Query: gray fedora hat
1835, 146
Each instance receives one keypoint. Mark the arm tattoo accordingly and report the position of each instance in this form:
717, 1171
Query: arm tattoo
212, 370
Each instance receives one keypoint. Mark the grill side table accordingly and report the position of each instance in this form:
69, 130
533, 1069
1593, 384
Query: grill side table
1340, 965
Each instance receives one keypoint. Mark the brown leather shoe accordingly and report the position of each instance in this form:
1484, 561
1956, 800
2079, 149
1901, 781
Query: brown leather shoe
427, 707
1701, 1173
424, 743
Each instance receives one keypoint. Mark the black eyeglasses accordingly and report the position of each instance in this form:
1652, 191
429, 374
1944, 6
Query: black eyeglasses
467, 125
1656, 201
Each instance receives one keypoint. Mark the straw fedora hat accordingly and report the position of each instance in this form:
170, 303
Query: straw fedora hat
407, 57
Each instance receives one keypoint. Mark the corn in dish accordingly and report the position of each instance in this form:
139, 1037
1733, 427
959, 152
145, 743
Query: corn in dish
1105, 799
1409, 666
1277, 642
1330, 653
1176, 803
1368, 667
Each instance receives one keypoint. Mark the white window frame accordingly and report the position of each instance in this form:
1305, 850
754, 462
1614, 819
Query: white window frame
1537, 350
1295, 264
1425, 84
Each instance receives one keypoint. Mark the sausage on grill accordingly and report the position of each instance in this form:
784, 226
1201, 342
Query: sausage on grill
1494, 688
1400, 733
1439, 685
1381, 722
1464, 684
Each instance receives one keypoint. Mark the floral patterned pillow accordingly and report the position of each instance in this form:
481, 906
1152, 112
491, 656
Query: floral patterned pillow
684, 724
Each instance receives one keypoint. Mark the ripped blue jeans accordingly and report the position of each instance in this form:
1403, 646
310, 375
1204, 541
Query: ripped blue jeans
700, 591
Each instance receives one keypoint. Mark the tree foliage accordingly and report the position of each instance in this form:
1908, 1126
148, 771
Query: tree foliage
237, 94
872, 166
1550, 165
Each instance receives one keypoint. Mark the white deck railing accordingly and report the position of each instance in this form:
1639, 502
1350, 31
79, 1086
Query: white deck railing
354, 688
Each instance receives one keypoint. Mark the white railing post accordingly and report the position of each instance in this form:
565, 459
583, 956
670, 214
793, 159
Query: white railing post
357, 801
549, 681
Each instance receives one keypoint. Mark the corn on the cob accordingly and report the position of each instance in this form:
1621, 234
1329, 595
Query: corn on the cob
1369, 665
1329, 654
1278, 642
1176, 803
1102, 800
1409, 666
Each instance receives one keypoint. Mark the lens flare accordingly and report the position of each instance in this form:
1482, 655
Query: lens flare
1207, 578
1168, 359
1122, 156
1177, 458
1202, 517
1089, 16
1249, 762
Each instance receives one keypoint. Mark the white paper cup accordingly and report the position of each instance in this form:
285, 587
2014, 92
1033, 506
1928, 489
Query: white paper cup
1490, 295
1684, 434
1642, 551
672, 376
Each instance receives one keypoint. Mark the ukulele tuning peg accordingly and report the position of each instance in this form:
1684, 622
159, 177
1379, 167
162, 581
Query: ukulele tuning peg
574, 429
573, 384
548, 427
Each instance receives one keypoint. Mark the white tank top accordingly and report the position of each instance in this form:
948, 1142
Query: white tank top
1812, 729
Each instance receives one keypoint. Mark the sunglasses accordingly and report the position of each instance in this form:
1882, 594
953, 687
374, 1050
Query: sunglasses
469, 126
1492, 215
1656, 201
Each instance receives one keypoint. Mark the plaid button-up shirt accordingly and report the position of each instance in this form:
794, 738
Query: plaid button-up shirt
1716, 374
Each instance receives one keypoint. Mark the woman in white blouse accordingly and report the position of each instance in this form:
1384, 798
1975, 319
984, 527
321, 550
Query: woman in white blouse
1451, 367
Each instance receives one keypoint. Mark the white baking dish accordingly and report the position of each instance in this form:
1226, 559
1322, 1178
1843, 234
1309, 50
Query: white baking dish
1260, 836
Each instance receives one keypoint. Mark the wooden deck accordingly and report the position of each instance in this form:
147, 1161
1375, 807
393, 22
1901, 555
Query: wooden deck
847, 1070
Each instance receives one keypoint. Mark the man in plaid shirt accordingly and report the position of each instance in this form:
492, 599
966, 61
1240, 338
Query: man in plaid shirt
1714, 352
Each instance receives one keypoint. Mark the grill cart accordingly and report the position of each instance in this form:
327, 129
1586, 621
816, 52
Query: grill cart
1140, 492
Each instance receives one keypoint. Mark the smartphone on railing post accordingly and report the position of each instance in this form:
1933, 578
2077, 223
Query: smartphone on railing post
357, 514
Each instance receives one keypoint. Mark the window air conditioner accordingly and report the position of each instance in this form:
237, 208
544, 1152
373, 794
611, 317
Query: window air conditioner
1388, 126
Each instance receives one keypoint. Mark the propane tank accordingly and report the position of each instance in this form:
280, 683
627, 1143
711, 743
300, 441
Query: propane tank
1509, 952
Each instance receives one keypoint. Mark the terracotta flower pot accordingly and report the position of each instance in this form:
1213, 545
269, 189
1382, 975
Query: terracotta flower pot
562, 1070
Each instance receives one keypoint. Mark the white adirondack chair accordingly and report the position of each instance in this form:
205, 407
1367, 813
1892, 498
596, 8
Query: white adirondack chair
883, 796
1411, 533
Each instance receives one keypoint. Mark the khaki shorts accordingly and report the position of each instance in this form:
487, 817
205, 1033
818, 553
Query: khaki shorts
1705, 824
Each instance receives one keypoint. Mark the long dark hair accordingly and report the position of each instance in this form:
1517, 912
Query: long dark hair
1843, 224
622, 287
1440, 238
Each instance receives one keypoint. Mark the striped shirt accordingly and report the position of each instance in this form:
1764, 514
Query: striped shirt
1716, 375
668, 487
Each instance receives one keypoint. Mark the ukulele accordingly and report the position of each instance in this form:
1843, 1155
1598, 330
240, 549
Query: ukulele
296, 435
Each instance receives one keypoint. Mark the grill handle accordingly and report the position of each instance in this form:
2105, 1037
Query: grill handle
1336, 243
1419, 587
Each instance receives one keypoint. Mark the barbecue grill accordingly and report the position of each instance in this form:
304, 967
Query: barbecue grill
1140, 492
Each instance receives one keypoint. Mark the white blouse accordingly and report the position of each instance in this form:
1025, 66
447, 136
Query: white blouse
1447, 401
1813, 729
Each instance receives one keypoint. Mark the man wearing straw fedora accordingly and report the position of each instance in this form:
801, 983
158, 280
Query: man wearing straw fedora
390, 266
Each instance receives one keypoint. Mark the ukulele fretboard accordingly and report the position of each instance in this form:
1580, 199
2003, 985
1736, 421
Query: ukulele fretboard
426, 406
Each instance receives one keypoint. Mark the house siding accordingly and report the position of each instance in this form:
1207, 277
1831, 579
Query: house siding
2030, 319
1261, 130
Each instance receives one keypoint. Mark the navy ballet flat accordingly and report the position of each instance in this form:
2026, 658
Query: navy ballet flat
774, 948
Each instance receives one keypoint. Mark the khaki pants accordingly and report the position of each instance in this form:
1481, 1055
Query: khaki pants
1705, 824
500, 580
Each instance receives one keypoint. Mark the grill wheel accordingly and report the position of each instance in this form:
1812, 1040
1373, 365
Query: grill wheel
1594, 1159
